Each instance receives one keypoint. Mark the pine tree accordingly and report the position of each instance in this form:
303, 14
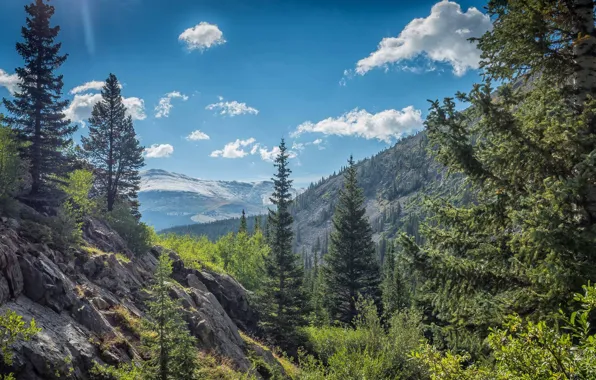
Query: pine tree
395, 292
257, 225
243, 228
112, 147
284, 299
37, 110
351, 269
527, 149
165, 333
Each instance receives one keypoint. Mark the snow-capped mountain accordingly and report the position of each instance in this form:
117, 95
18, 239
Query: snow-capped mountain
171, 199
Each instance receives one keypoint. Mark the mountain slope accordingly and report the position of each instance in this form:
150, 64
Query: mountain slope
169, 199
394, 181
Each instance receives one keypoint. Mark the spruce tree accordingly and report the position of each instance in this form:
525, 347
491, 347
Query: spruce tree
351, 269
394, 290
284, 299
243, 227
527, 150
37, 110
112, 147
173, 355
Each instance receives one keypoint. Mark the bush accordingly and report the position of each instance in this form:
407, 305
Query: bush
137, 235
527, 350
12, 168
368, 351
12, 330
69, 221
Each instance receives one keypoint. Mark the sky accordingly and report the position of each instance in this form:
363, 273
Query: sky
213, 85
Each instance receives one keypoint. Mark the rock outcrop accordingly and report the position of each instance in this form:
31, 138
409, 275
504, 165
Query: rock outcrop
86, 302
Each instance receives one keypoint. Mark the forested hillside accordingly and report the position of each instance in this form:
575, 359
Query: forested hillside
395, 183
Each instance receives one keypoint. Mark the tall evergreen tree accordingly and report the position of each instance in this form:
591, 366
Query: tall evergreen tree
351, 268
528, 151
243, 227
284, 298
395, 292
166, 335
37, 110
112, 147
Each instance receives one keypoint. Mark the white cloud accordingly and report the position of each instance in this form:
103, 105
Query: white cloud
384, 125
159, 151
239, 149
317, 141
235, 149
232, 108
271, 155
440, 37
79, 109
135, 107
10, 81
202, 36
197, 135
165, 104
89, 86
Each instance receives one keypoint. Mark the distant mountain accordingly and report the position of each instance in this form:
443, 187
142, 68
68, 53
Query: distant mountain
395, 182
171, 199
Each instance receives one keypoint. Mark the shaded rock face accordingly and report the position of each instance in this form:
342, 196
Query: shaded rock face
81, 300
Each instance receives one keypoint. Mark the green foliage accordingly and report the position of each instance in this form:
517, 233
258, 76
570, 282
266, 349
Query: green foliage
112, 147
12, 168
283, 300
351, 269
396, 293
12, 330
126, 371
36, 109
527, 150
527, 350
367, 351
239, 255
138, 235
78, 204
173, 355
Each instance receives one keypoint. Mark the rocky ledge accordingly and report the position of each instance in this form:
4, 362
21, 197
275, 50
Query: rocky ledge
87, 301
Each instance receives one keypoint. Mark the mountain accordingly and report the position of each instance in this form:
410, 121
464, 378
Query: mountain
170, 199
395, 182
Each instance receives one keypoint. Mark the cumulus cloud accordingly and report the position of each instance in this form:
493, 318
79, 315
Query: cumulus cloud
235, 149
232, 108
79, 109
202, 36
10, 81
240, 148
159, 151
135, 107
384, 125
89, 86
440, 37
271, 155
165, 103
197, 135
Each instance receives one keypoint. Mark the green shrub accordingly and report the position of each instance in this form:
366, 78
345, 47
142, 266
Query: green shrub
137, 235
527, 350
78, 205
12, 330
12, 168
368, 351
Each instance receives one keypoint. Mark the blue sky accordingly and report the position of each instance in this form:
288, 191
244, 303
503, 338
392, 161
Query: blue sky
333, 77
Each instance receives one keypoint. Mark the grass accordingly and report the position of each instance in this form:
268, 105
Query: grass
291, 370
122, 258
129, 321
